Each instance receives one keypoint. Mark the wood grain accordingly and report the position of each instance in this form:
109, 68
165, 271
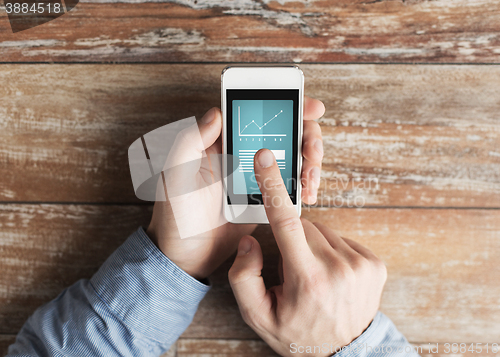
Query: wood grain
172, 352
198, 347
394, 135
208, 347
45, 248
442, 265
438, 273
454, 349
221, 348
442, 31
5, 342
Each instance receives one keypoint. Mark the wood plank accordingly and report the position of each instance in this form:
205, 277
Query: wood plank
210, 347
46, 248
441, 263
412, 135
172, 352
5, 342
220, 348
422, 127
455, 349
442, 286
272, 31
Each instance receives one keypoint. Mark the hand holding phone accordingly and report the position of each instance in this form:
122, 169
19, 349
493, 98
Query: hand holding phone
263, 108
200, 257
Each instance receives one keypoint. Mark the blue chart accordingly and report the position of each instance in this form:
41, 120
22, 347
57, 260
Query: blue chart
261, 124
254, 125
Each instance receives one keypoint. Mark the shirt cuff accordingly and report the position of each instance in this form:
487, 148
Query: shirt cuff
146, 290
381, 338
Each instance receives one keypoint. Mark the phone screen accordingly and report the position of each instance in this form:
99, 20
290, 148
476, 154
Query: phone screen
259, 119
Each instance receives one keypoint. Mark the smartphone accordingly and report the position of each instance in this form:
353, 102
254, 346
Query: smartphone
262, 107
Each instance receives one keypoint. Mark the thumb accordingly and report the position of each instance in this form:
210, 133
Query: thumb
192, 141
247, 284
187, 154
210, 127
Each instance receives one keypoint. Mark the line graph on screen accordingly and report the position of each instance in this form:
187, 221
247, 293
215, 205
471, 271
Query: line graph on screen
253, 126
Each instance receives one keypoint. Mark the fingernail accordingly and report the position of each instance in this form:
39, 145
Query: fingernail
245, 246
315, 175
208, 117
318, 145
266, 158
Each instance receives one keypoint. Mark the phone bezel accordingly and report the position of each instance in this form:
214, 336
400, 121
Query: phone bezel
260, 78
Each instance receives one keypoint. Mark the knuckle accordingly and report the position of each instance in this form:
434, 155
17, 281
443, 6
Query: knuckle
247, 316
360, 263
345, 272
384, 274
306, 224
369, 266
274, 183
315, 284
236, 276
231, 274
289, 224
313, 126
381, 269
253, 318
185, 135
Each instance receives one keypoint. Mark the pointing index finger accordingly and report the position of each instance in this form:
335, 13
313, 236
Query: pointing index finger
282, 215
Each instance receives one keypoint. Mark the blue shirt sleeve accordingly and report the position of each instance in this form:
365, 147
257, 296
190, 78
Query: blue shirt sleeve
137, 304
381, 338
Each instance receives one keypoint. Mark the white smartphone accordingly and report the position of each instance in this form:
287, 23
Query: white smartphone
262, 107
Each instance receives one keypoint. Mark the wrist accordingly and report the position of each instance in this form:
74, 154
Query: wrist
160, 289
190, 266
371, 336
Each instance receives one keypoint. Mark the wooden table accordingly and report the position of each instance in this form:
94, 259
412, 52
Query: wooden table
412, 91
